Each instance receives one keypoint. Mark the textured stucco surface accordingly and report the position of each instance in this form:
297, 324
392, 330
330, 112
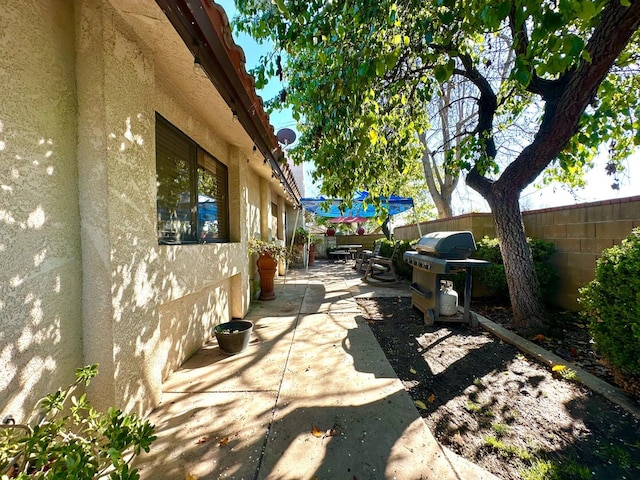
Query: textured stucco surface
40, 279
161, 302
117, 198
85, 280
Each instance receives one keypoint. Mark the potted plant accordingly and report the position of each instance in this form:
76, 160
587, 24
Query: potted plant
300, 236
313, 248
299, 247
233, 337
312, 253
269, 253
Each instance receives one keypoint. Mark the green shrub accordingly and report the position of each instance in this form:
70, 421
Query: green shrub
493, 277
488, 249
66, 438
403, 269
611, 303
300, 236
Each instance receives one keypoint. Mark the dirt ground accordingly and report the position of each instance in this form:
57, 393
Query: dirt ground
489, 403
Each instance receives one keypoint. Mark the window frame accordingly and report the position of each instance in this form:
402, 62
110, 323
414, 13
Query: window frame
193, 168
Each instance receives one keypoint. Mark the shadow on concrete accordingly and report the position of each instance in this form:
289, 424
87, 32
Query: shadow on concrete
313, 396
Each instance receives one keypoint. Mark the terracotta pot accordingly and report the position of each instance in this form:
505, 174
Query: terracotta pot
312, 254
267, 269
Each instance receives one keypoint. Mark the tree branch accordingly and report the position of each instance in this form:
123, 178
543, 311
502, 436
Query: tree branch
577, 89
487, 105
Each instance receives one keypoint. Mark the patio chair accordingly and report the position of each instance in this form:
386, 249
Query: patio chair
382, 268
363, 256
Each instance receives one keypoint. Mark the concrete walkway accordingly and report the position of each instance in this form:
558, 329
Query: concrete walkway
313, 366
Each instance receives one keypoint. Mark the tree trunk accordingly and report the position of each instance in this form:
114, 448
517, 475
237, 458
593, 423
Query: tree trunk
440, 188
385, 228
524, 290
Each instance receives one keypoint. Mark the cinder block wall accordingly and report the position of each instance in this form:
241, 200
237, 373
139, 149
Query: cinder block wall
480, 224
579, 232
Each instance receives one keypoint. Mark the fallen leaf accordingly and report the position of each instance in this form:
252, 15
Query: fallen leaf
431, 398
457, 438
316, 432
558, 368
223, 441
191, 477
201, 440
420, 404
539, 338
413, 370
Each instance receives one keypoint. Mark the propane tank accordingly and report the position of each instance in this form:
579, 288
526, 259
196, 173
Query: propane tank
448, 298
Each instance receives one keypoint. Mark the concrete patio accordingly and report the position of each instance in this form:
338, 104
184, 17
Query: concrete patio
312, 366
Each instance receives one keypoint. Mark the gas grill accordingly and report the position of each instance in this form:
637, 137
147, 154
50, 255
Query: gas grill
438, 254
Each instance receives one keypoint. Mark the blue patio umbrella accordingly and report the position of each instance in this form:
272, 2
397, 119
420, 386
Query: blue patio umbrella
207, 208
330, 208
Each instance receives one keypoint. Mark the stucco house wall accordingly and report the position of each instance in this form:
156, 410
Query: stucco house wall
40, 250
85, 280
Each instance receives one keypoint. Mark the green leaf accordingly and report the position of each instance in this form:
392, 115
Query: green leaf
420, 404
373, 136
573, 45
282, 7
448, 18
521, 71
391, 59
441, 73
586, 10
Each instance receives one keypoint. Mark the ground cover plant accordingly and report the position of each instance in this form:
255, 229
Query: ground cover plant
491, 404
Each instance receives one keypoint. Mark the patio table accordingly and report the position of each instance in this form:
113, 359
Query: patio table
340, 255
351, 248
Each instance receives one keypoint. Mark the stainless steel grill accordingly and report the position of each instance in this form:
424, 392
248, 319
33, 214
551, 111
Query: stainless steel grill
438, 254
449, 245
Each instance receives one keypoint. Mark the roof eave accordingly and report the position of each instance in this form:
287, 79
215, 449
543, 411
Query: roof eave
204, 27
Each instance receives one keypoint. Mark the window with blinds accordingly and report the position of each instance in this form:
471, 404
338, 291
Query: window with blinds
192, 201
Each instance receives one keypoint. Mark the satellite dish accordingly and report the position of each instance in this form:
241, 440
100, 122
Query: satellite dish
286, 136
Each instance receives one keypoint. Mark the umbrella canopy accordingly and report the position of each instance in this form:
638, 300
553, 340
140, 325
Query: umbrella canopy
330, 208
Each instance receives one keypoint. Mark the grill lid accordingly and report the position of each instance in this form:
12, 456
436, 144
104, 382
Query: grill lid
449, 245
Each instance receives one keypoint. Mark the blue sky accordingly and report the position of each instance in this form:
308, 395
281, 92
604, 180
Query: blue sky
253, 51
598, 183
281, 119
